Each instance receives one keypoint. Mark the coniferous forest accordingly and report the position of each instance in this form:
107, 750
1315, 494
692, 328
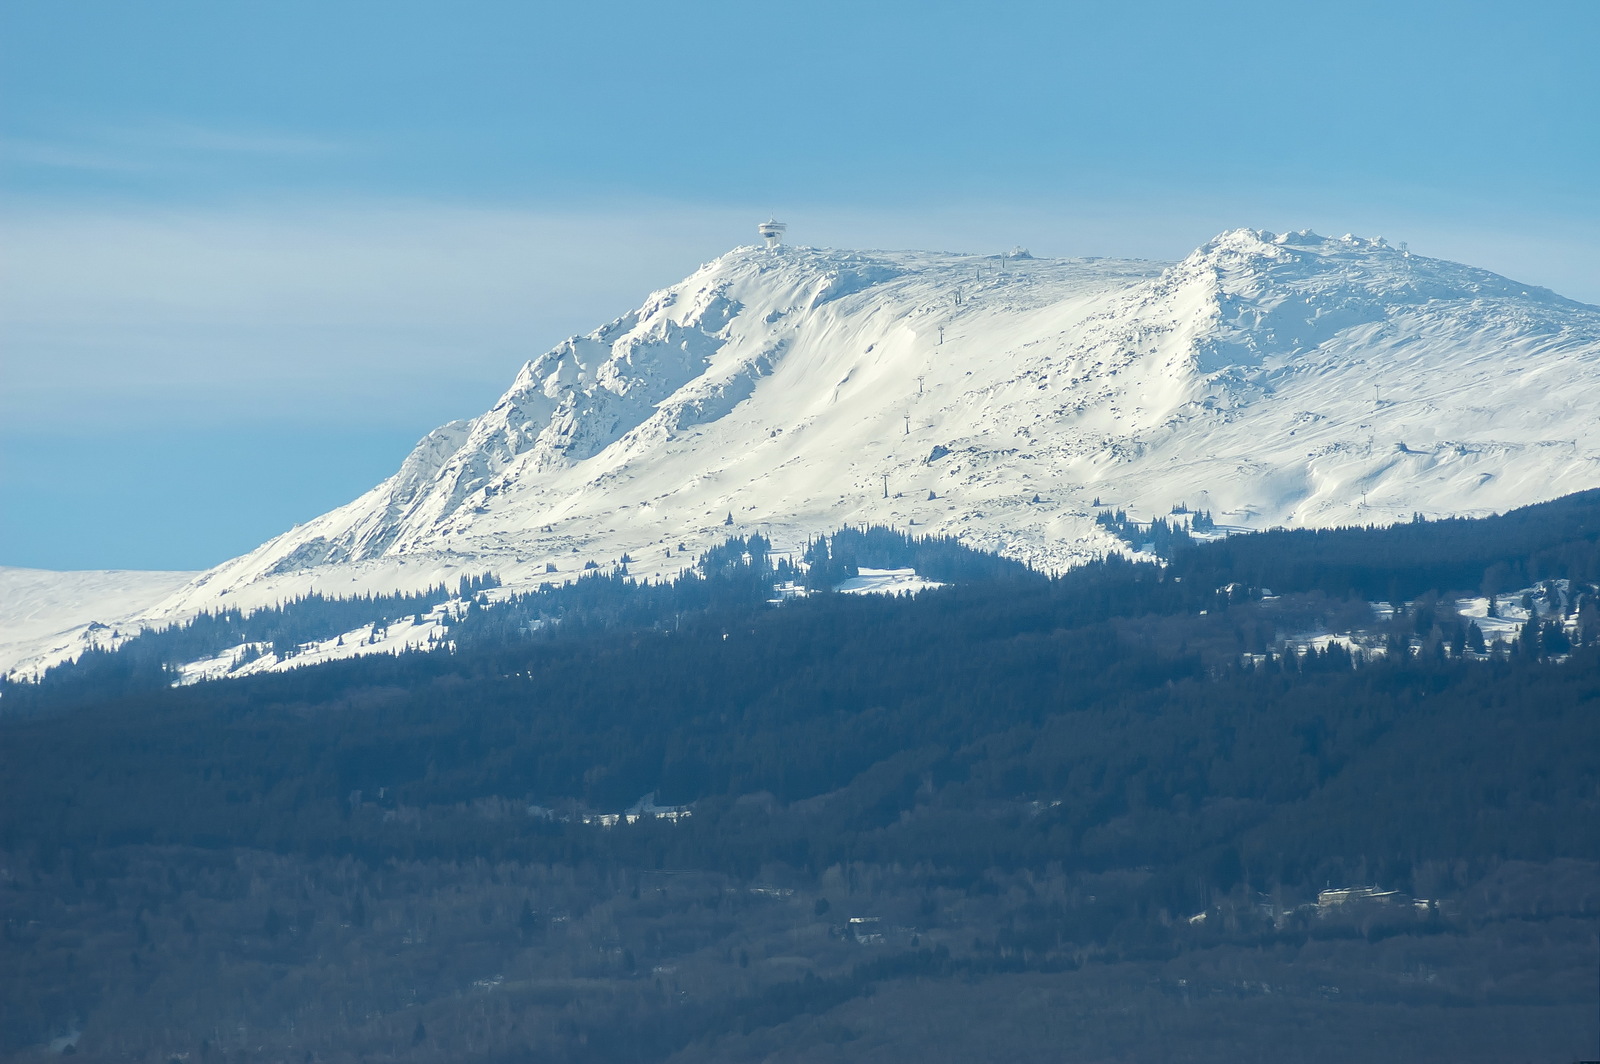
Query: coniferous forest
1276, 798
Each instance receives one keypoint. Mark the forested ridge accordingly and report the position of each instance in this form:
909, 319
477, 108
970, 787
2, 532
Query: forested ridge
1092, 814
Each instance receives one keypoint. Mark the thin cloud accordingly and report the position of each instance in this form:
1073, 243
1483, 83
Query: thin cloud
17, 151
172, 147
183, 136
412, 312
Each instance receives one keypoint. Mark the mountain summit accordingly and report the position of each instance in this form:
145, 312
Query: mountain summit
1270, 379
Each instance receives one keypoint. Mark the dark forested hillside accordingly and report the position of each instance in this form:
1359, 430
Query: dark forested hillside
1099, 817
1558, 539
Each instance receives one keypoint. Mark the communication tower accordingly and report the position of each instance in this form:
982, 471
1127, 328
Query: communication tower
772, 231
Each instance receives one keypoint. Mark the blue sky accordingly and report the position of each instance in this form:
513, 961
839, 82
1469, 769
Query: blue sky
252, 252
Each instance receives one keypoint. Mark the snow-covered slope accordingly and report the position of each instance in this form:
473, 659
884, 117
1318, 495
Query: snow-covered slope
1293, 379
47, 616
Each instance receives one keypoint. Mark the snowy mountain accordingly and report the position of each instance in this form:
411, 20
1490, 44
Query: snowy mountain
1271, 379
